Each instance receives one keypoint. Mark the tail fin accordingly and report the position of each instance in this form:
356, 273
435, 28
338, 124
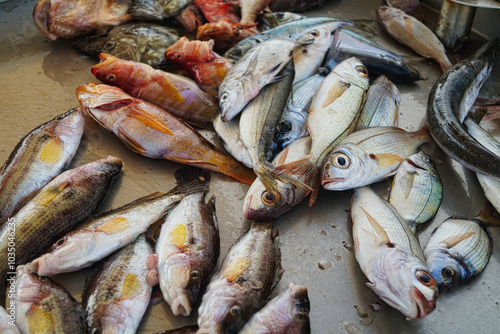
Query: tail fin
192, 180
487, 216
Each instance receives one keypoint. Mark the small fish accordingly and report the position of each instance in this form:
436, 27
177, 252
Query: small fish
294, 5
190, 18
39, 157
68, 19
153, 132
251, 8
379, 61
248, 275
381, 107
370, 155
286, 313
390, 256
117, 296
43, 306
459, 249
414, 34
156, 10
176, 94
59, 206
416, 191
410, 7
274, 19
138, 41
229, 135
7, 321
188, 247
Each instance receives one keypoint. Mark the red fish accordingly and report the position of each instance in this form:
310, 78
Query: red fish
190, 18
218, 10
225, 34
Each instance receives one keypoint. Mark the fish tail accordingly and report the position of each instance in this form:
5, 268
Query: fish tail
423, 135
445, 64
192, 180
302, 166
268, 180
487, 215
237, 170
315, 185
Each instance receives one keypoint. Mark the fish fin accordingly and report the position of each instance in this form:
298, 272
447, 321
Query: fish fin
131, 287
456, 239
53, 151
333, 94
487, 215
276, 79
476, 114
268, 178
407, 185
382, 235
177, 236
47, 195
168, 89
130, 142
409, 24
151, 121
39, 320
236, 268
316, 183
146, 198
302, 166
192, 180
386, 159
115, 225
282, 158
274, 69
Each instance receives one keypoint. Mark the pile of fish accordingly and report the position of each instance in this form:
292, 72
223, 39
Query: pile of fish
304, 104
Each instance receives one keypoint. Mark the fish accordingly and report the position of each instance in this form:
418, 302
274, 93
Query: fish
248, 274
294, 5
137, 41
390, 256
62, 204
417, 191
258, 68
229, 135
154, 133
442, 116
7, 321
117, 295
176, 94
286, 313
333, 114
68, 19
274, 19
40, 156
410, 7
198, 58
459, 249
260, 205
43, 306
190, 18
379, 61
218, 10
414, 34
156, 10
381, 106
251, 8
105, 233
188, 247
292, 30
370, 155
225, 34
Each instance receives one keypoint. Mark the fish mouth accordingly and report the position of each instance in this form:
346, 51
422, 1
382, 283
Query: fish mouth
181, 305
424, 306
333, 181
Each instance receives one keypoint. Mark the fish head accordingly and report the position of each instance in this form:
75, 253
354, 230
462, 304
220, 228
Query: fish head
291, 127
422, 163
185, 50
296, 308
447, 270
114, 71
401, 280
231, 99
70, 123
345, 167
354, 72
236, 52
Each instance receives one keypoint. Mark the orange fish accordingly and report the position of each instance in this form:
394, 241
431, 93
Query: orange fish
155, 133
218, 10
225, 34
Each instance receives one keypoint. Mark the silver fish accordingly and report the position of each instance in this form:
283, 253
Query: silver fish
417, 190
287, 313
370, 155
117, 296
229, 134
381, 106
248, 275
390, 256
39, 157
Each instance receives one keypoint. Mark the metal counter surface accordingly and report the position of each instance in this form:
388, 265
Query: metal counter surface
37, 82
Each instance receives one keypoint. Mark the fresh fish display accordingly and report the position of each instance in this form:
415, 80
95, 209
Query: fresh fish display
293, 30
410, 7
379, 61
271, 20
390, 256
188, 247
381, 106
190, 18
417, 190
459, 249
197, 58
100, 236
152, 132
370, 155
117, 296
218, 10
156, 10
258, 68
7, 322
229, 135
414, 34
176, 94
43, 306
225, 34
39, 157
251, 8
68, 19
138, 41
63, 203
260, 205
445, 100
286, 313
294, 5
248, 275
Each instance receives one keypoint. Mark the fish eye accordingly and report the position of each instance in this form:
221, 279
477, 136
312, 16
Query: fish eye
180, 55
280, 15
109, 45
301, 316
111, 77
236, 52
195, 274
224, 97
448, 273
235, 310
362, 70
60, 242
267, 198
314, 33
285, 127
342, 161
425, 278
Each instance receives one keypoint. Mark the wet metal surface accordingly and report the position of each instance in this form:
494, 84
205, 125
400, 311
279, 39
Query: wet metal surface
38, 79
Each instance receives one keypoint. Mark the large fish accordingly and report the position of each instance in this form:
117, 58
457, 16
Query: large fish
151, 131
156, 10
117, 296
287, 313
370, 155
176, 94
248, 275
188, 247
39, 157
43, 306
63, 203
390, 256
